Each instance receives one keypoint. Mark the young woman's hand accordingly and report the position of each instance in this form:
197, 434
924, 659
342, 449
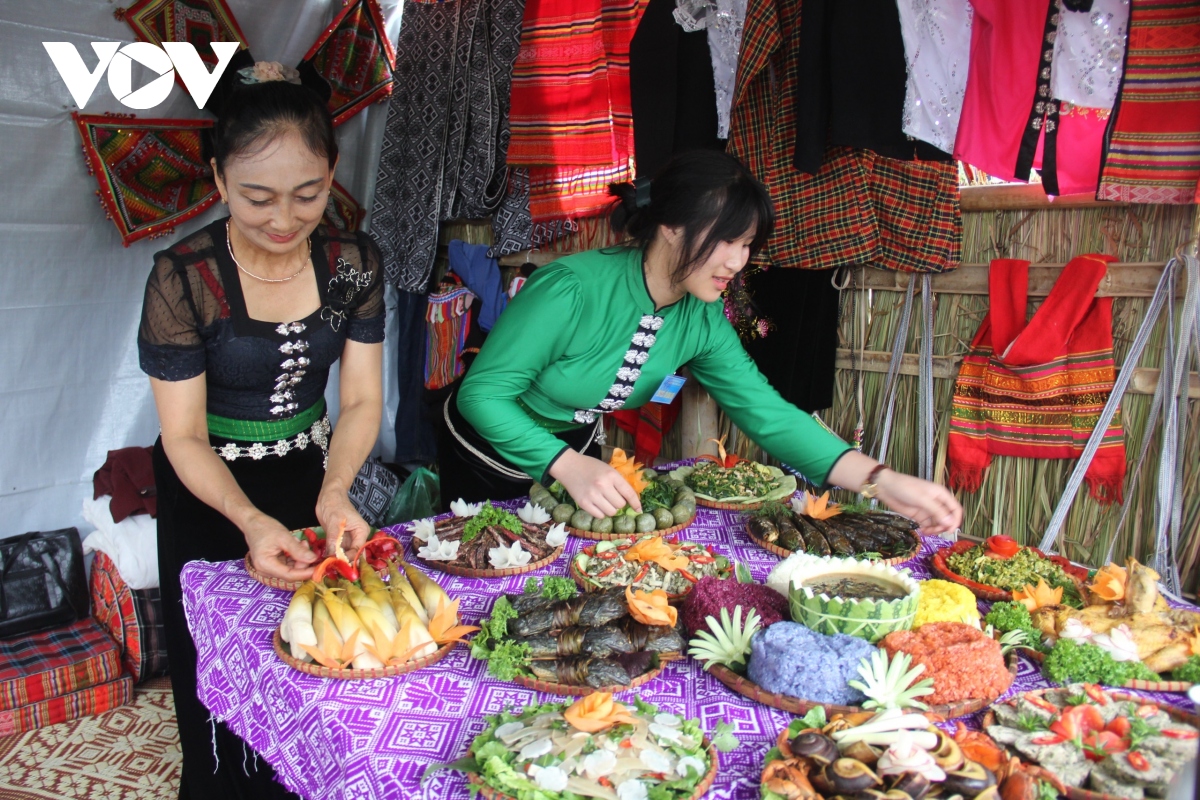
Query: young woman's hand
598, 488
275, 552
932, 505
334, 506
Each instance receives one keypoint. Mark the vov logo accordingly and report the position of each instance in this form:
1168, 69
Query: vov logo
178, 57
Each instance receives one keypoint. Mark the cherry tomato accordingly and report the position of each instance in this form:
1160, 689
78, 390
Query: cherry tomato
1120, 726
1047, 739
1172, 733
1095, 693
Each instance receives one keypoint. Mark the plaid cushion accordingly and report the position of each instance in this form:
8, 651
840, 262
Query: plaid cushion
56, 662
83, 703
134, 618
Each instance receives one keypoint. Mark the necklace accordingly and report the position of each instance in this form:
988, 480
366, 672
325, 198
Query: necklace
296, 274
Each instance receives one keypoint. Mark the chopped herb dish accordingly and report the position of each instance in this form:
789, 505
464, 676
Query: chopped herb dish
1014, 572
744, 482
649, 562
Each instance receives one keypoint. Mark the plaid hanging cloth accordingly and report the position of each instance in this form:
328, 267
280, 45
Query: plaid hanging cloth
1035, 388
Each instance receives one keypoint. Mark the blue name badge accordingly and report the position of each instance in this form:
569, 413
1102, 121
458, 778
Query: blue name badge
668, 389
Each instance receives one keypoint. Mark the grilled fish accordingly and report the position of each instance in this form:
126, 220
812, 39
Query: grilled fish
763, 528
597, 673
660, 639
815, 540
599, 642
588, 610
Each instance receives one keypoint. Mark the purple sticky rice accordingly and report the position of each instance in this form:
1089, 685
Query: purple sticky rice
788, 658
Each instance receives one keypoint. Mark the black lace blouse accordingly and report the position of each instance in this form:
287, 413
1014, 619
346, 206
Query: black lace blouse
194, 321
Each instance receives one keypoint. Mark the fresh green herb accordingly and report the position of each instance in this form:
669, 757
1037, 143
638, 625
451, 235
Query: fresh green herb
1190, 671
552, 588
769, 509
508, 660
1139, 731
723, 738
1017, 572
1030, 722
1008, 616
1077, 699
860, 506
488, 516
744, 479
1070, 662
659, 494
1138, 671
1046, 791
742, 572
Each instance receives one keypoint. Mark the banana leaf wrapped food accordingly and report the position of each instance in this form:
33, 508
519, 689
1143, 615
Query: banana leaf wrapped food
589, 610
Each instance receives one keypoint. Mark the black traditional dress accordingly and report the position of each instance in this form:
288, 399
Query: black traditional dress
266, 418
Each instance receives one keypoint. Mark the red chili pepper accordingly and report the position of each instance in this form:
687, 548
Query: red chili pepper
608, 555
606, 572
1042, 704
1174, 733
1146, 711
1095, 693
689, 576
642, 572
702, 559
314, 542
1047, 739
1138, 761
626, 743
604, 782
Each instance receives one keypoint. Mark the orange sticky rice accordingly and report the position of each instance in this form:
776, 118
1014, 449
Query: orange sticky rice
965, 664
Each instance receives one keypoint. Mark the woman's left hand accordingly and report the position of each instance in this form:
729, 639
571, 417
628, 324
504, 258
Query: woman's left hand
932, 505
334, 507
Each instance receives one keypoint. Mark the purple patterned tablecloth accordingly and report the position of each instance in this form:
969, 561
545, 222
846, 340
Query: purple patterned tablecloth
352, 740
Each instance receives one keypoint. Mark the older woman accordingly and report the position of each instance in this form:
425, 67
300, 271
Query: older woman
241, 323
601, 330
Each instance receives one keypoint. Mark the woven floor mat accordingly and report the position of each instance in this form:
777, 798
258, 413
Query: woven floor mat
129, 753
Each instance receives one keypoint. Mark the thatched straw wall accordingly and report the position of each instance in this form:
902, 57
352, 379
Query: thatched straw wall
1018, 496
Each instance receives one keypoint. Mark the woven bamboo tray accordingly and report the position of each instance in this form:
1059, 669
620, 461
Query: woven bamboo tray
611, 537
586, 586
993, 594
267, 580
583, 691
701, 788
752, 506
795, 705
1087, 794
469, 572
357, 674
784, 553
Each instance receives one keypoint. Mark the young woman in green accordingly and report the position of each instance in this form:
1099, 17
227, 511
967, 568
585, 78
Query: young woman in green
601, 330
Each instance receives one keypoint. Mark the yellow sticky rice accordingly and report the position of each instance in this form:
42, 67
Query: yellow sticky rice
943, 601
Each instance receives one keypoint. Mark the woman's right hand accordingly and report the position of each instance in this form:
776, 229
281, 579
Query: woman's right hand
275, 552
598, 488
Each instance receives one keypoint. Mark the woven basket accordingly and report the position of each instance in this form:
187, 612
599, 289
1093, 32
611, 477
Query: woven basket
357, 674
794, 705
583, 691
469, 572
585, 586
701, 788
993, 594
1087, 794
783, 553
752, 506
267, 580
611, 537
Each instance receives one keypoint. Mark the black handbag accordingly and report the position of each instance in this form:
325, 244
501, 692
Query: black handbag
42, 581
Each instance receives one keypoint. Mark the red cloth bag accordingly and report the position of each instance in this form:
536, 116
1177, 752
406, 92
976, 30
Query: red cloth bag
1035, 388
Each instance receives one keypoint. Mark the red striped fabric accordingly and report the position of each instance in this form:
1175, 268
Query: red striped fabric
83, 703
56, 662
1036, 389
1153, 153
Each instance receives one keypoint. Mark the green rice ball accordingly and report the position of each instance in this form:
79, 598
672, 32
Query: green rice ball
625, 524
581, 520
603, 525
681, 513
645, 523
663, 519
562, 512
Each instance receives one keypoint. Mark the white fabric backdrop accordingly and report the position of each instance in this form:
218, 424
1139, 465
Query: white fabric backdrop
70, 294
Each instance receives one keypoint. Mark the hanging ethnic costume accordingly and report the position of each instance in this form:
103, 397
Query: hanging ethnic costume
1035, 388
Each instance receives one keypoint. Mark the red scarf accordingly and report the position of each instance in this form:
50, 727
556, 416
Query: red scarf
1035, 388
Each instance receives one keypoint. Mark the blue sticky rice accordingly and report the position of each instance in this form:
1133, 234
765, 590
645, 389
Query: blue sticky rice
789, 658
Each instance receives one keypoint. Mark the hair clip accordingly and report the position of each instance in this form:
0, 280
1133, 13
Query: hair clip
641, 192
267, 71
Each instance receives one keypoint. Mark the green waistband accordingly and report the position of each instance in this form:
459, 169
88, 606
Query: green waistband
552, 425
245, 430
